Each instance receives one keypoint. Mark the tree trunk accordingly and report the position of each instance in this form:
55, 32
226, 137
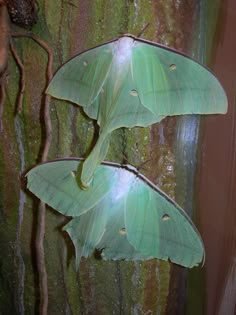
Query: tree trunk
99, 287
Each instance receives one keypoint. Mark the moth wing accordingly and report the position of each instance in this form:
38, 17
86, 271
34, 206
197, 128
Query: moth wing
56, 184
157, 227
80, 80
170, 83
87, 230
114, 243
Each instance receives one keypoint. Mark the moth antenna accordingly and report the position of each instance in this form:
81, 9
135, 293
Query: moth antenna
143, 30
141, 166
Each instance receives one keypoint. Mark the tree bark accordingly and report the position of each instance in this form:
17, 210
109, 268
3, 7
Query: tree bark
99, 287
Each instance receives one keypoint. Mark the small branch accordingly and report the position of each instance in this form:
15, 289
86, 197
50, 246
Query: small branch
19, 104
41, 260
48, 126
42, 208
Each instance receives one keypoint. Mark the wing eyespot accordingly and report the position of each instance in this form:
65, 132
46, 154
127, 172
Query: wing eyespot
122, 231
165, 217
133, 93
172, 67
85, 63
73, 174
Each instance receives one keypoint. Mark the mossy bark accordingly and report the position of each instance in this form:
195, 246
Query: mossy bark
69, 27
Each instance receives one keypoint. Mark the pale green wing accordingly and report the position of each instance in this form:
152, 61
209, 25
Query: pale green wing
55, 183
123, 106
122, 214
170, 83
80, 80
87, 230
167, 82
114, 244
102, 229
158, 227
96, 156
117, 108
129, 82
120, 107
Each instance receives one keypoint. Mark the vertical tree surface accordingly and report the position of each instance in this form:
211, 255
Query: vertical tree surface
168, 150
217, 183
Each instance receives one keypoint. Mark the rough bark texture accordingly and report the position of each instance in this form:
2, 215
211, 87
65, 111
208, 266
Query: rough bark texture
152, 287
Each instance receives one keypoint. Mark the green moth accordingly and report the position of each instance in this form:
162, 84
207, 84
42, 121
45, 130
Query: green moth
123, 214
132, 82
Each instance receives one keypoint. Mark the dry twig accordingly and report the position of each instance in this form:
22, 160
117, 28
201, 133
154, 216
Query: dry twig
42, 208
